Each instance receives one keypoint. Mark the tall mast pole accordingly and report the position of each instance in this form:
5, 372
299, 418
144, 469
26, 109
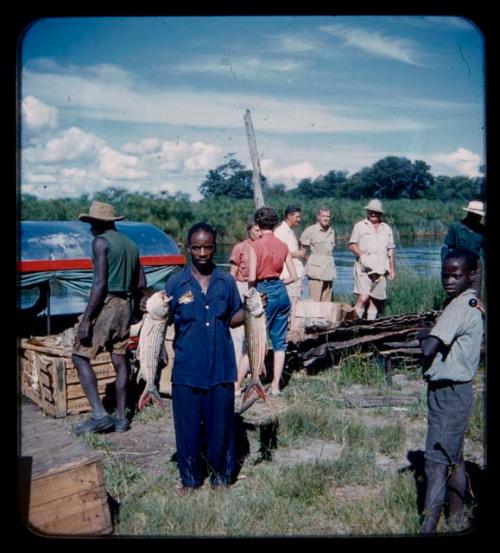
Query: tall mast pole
258, 196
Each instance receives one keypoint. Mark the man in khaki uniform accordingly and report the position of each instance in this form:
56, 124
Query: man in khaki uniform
372, 243
320, 267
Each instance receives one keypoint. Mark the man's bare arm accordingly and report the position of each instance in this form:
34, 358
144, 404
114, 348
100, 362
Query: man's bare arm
354, 248
237, 318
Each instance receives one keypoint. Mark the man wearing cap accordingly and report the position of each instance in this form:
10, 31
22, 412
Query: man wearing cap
320, 267
372, 243
105, 323
469, 234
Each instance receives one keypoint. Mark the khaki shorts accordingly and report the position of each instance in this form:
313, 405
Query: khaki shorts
110, 331
369, 285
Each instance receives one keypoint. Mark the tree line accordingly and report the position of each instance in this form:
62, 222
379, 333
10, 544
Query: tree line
416, 203
389, 178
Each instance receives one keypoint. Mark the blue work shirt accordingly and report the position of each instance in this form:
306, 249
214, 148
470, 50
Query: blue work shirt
204, 351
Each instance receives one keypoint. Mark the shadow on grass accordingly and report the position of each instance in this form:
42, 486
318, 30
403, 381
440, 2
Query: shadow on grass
475, 484
114, 509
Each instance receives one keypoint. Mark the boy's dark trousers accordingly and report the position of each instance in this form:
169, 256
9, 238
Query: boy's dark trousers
443, 482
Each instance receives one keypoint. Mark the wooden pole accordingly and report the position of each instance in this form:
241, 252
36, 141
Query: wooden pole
258, 196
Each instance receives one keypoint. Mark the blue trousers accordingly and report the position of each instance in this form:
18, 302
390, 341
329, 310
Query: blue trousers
204, 433
277, 310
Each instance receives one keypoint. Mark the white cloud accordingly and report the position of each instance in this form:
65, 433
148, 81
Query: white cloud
375, 43
115, 165
240, 67
40, 178
70, 145
289, 175
108, 71
38, 116
195, 108
191, 157
73, 174
294, 43
145, 146
460, 162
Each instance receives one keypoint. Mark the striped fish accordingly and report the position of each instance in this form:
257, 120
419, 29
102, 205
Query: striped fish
256, 335
151, 342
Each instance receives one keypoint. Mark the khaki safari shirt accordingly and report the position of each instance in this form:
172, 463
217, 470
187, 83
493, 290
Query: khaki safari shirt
460, 327
320, 265
375, 245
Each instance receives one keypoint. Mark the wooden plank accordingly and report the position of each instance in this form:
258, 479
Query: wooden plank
36, 365
50, 443
320, 351
381, 401
59, 352
80, 405
47, 462
105, 370
47, 407
83, 513
76, 391
63, 483
59, 367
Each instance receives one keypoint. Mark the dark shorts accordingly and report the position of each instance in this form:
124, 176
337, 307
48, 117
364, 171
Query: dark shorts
449, 405
110, 330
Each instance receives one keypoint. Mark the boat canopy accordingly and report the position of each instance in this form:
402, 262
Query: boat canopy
58, 254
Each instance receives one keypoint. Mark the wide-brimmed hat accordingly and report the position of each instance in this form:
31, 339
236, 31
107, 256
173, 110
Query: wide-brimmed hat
99, 211
375, 205
475, 207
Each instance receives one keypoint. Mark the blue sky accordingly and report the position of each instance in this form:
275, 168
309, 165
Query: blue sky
153, 103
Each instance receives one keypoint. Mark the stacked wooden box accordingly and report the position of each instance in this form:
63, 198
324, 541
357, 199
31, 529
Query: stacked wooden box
61, 481
312, 316
49, 378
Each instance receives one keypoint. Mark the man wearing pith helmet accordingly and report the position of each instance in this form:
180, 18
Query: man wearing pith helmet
372, 243
469, 233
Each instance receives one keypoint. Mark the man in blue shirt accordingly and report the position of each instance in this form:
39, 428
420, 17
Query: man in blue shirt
204, 303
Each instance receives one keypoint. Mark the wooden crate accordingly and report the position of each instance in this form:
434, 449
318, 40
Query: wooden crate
62, 482
322, 315
49, 378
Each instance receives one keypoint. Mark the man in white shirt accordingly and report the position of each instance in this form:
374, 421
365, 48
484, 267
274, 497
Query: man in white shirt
372, 243
286, 234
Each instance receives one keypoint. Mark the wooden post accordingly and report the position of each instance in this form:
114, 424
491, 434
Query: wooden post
388, 370
252, 144
59, 386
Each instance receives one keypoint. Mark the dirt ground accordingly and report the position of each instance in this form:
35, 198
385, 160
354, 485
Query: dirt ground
150, 442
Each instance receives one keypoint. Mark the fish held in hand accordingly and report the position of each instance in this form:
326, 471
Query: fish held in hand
256, 335
151, 344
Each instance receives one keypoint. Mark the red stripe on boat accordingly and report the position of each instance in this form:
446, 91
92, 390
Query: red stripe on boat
40, 265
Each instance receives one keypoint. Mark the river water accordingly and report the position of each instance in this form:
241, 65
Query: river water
420, 255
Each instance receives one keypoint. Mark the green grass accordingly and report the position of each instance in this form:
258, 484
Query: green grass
347, 494
475, 428
150, 413
361, 370
410, 293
